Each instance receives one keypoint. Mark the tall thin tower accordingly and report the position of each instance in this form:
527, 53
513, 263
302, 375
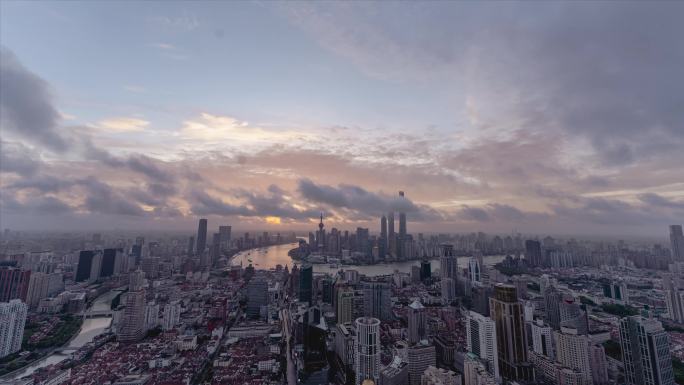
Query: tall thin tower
201, 236
402, 232
392, 236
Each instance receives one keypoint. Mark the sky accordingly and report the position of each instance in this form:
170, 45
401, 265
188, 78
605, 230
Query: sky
546, 118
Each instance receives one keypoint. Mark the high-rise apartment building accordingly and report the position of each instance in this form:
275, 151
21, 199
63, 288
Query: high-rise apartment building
377, 300
132, 324
573, 351
14, 283
507, 313
420, 356
367, 358
674, 297
552, 300
533, 252
345, 303
598, 364
12, 322
481, 340
645, 352
417, 322
171, 317
542, 339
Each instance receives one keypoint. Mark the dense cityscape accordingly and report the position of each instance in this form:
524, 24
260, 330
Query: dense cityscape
464, 309
338, 192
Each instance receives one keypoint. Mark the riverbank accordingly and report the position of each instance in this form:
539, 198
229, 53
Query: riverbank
272, 256
88, 330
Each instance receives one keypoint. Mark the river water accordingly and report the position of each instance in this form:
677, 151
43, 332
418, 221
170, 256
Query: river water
91, 327
269, 257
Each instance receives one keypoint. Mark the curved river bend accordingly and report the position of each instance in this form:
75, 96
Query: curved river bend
269, 257
91, 327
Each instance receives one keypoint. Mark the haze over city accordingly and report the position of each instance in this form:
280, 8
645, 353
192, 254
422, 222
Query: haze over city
341, 193
555, 118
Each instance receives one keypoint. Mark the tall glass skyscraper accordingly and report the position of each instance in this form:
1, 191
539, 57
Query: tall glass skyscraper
367, 360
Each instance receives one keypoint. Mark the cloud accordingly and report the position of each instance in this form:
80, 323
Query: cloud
226, 130
123, 124
44, 205
204, 204
473, 214
147, 166
102, 198
18, 159
361, 201
660, 201
26, 104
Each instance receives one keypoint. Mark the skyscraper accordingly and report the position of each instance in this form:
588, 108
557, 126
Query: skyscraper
132, 324
367, 358
306, 284
171, 318
677, 242
542, 339
14, 283
420, 356
674, 297
449, 271
552, 300
401, 249
533, 253
481, 340
109, 262
507, 313
201, 236
12, 322
383, 241
345, 303
320, 236
224, 232
645, 352
417, 322
391, 235
377, 302
89, 266
191, 246
573, 351
257, 295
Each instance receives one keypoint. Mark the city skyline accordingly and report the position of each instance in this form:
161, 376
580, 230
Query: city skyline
492, 117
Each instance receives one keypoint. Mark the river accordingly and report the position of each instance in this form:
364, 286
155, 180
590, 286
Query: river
91, 327
269, 257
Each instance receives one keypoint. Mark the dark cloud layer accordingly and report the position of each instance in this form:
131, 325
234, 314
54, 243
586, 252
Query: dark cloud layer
26, 104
